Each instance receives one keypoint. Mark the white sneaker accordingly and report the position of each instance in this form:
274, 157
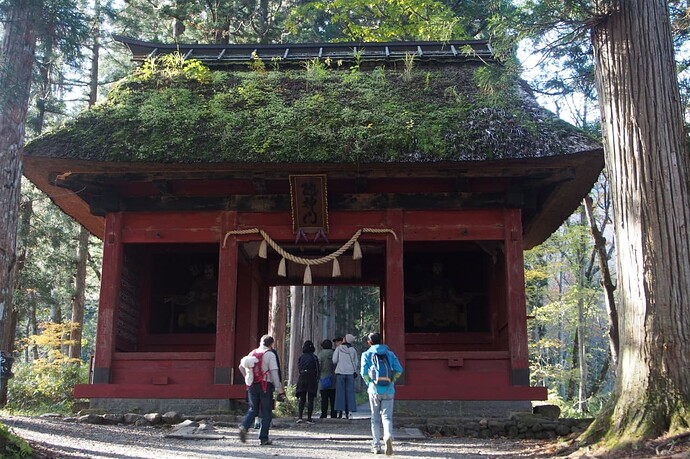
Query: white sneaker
389, 446
376, 450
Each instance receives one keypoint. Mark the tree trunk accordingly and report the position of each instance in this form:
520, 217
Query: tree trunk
582, 356
295, 332
606, 279
278, 321
33, 324
581, 324
77, 326
600, 379
647, 164
79, 296
570, 383
18, 51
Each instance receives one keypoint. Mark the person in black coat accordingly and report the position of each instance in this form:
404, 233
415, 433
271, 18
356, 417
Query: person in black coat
308, 381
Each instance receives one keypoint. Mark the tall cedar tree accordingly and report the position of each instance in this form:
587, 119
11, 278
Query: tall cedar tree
18, 50
26, 22
647, 163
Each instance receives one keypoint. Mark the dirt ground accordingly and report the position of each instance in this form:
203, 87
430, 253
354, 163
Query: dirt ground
60, 439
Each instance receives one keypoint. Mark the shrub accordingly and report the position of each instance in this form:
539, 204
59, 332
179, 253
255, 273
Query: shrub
12, 446
43, 386
46, 383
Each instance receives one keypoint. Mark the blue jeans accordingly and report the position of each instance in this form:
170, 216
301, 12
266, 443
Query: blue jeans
345, 393
260, 400
381, 417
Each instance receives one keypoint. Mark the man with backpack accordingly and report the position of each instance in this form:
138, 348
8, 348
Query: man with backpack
265, 379
380, 369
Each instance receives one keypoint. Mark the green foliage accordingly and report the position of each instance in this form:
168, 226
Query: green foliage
316, 114
45, 282
287, 408
172, 67
409, 66
44, 386
204, 22
388, 20
316, 69
12, 446
46, 383
557, 284
256, 63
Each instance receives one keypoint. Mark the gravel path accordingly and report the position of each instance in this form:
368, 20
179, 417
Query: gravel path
56, 438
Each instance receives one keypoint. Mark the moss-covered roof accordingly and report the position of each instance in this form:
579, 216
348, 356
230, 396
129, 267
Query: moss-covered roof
469, 123
316, 114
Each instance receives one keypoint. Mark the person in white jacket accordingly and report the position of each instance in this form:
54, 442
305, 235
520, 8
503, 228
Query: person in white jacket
345, 360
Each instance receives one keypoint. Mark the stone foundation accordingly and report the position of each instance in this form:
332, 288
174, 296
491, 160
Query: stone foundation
460, 408
519, 425
145, 405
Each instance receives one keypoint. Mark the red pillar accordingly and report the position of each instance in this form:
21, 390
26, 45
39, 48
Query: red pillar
227, 303
106, 332
393, 308
515, 293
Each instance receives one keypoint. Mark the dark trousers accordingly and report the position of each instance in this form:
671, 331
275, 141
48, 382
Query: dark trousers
307, 397
327, 401
258, 399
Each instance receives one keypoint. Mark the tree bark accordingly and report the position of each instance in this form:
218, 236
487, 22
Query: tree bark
278, 321
296, 302
79, 296
18, 51
582, 406
606, 279
647, 164
77, 326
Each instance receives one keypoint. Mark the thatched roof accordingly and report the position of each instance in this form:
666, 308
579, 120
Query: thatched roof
434, 113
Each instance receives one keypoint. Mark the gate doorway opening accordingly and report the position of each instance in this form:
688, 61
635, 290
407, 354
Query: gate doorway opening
317, 313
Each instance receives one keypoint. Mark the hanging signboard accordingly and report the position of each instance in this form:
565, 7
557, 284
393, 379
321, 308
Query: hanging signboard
309, 203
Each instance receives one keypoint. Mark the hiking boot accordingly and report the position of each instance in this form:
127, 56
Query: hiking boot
243, 434
376, 450
266, 442
389, 446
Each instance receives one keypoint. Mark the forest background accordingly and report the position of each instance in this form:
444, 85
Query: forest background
570, 279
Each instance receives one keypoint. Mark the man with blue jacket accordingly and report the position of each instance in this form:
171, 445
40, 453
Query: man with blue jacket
380, 369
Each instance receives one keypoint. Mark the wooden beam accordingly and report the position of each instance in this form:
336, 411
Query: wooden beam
393, 316
109, 299
227, 305
103, 202
515, 288
105, 172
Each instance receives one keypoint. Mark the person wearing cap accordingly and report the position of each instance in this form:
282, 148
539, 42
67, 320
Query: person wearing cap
345, 360
381, 394
261, 391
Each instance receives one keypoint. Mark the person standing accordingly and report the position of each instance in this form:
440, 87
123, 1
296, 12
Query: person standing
380, 369
327, 379
345, 360
308, 381
337, 341
266, 380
